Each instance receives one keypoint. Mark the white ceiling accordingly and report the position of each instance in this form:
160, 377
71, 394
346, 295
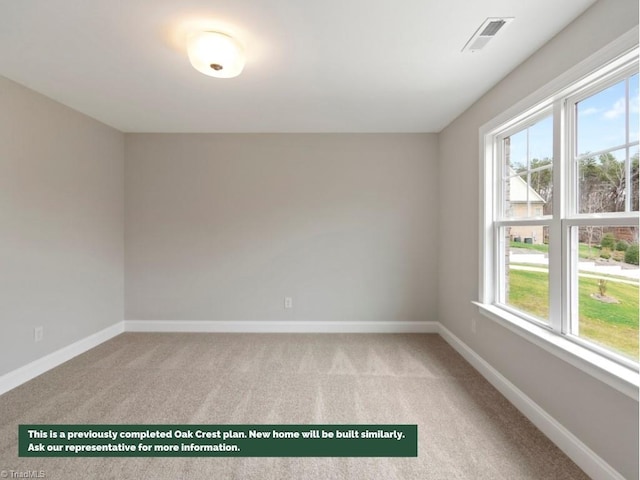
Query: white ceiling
312, 66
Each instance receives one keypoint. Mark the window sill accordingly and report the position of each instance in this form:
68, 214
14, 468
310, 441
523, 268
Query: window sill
613, 374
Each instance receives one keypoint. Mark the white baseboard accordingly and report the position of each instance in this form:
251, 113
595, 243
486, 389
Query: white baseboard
279, 326
571, 445
23, 374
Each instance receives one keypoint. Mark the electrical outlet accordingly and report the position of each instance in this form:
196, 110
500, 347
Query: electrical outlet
288, 302
38, 334
473, 325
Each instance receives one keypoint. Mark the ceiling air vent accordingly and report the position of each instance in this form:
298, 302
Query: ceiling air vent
489, 28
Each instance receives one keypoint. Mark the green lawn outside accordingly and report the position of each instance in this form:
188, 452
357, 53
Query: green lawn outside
529, 291
614, 325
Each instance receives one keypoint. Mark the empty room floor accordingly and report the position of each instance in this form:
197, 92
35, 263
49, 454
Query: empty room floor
466, 428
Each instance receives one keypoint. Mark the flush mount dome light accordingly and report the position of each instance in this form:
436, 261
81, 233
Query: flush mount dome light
216, 54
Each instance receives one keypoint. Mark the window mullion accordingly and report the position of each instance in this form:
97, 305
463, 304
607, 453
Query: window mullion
556, 265
569, 183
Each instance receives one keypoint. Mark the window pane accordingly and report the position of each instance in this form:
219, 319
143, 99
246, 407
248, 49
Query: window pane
516, 151
601, 120
541, 140
605, 287
528, 180
517, 198
601, 183
529, 194
541, 182
525, 276
633, 108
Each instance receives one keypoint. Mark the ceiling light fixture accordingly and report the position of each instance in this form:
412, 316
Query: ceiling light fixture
216, 54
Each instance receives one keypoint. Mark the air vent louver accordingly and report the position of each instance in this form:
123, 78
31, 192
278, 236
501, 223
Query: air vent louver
489, 28
493, 27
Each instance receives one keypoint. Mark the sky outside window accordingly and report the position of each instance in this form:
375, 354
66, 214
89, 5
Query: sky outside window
602, 118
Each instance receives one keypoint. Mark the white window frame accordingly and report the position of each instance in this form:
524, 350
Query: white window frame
555, 337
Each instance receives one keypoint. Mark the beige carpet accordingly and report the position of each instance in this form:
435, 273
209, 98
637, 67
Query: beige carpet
466, 429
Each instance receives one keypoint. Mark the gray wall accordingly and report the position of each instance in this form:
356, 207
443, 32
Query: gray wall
61, 225
607, 421
224, 226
